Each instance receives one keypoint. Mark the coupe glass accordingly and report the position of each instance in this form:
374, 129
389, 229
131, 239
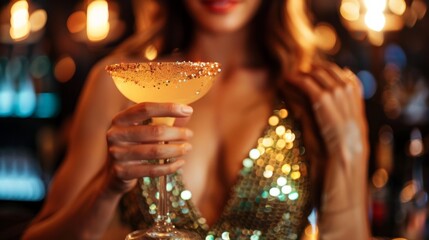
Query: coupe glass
179, 82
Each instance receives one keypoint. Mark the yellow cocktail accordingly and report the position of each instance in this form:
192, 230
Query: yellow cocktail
178, 82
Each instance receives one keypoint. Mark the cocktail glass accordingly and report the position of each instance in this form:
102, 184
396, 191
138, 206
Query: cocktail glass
179, 82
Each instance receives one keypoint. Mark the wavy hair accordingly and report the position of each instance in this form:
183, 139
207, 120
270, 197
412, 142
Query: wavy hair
281, 27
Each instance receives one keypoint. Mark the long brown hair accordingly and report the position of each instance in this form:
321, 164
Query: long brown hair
282, 28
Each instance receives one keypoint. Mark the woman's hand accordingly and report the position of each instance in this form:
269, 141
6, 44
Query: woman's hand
134, 145
338, 115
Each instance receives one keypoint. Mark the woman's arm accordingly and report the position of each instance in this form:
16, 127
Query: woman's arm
94, 175
78, 193
338, 113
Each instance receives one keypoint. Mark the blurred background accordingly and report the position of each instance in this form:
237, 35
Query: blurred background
47, 48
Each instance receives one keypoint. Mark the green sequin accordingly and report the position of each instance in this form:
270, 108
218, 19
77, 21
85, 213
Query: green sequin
271, 199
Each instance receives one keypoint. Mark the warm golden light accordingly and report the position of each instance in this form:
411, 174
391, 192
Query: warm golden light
375, 5
416, 147
416, 144
76, 22
326, 37
376, 38
398, 7
350, 9
38, 20
408, 192
64, 69
377, 16
380, 178
311, 232
283, 113
97, 23
22, 4
20, 26
20, 33
375, 20
150, 52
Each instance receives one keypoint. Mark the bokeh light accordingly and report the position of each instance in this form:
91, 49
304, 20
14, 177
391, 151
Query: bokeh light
326, 37
368, 82
48, 105
40, 66
416, 143
394, 54
65, 68
398, 7
350, 9
38, 20
19, 24
375, 5
375, 20
419, 8
151, 52
380, 178
408, 192
76, 22
97, 23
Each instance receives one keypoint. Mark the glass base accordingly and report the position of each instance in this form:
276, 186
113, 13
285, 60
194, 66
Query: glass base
161, 232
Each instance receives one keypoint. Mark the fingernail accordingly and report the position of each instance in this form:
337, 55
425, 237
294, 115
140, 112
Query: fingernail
187, 147
189, 133
187, 109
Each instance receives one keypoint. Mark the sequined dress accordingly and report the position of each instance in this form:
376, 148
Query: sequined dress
271, 199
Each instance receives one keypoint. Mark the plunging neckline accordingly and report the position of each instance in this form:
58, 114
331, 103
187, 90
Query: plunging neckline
255, 182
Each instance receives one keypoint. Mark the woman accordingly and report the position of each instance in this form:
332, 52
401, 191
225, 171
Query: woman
269, 71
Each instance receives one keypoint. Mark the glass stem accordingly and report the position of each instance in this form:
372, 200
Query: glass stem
163, 207
163, 217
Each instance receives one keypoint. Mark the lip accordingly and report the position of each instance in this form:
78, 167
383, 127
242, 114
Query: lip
219, 6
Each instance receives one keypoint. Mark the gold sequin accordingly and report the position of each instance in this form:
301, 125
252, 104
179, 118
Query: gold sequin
281, 181
273, 120
295, 175
286, 168
280, 144
283, 113
280, 130
267, 142
254, 154
269, 201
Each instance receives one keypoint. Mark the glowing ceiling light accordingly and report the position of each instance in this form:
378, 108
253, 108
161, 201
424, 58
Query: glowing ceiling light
20, 26
375, 5
375, 20
22, 4
97, 23
350, 9
373, 17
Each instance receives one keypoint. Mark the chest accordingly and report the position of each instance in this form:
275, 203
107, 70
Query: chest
226, 124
